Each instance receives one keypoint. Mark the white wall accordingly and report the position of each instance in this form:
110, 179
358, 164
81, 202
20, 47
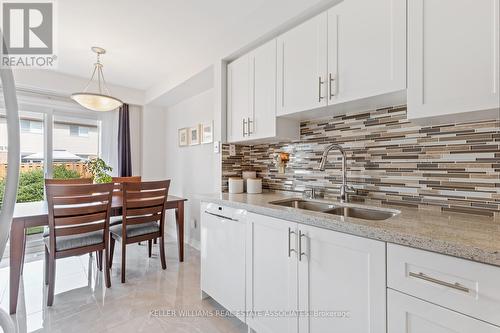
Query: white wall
153, 143
191, 168
135, 119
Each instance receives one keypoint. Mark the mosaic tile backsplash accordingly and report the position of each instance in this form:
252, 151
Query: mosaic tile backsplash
454, 167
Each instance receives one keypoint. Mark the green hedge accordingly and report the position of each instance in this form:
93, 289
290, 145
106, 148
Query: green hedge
31, 186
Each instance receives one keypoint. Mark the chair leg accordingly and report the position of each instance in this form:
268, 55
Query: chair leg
162, 253
52, 279
107, 268
150, 247
111, 250
99, 260
123, 260
46, 279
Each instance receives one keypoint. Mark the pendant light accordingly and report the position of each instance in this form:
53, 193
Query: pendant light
100, 100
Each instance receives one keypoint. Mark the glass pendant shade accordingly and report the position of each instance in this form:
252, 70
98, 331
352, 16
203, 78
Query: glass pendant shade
100, 100
96, 102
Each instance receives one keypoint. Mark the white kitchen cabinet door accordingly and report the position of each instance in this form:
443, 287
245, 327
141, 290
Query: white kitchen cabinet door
453, 56
302, 67
343, 276
409, 314
239, 100
263, 122
366, 49
271, 275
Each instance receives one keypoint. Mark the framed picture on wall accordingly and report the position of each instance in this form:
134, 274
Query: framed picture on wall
183, 137
194, 136
207, 132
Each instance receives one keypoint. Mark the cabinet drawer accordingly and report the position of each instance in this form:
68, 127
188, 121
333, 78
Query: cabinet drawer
409, 314
461, 285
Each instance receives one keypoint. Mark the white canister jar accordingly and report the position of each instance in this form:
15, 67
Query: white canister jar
246, 175
235, 185
254, 185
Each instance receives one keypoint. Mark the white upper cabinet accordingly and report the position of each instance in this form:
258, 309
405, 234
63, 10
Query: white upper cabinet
340, 272
263, 61
354, 51
302, 67
252, 98
453, 56
239, 100
366, 49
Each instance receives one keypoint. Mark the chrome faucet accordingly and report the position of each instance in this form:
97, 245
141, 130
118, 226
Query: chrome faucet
344, 189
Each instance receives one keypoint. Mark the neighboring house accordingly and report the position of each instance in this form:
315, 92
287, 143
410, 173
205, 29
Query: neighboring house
79, 138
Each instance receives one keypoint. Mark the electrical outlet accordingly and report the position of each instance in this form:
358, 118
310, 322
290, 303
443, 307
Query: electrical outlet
216, 147
232, 150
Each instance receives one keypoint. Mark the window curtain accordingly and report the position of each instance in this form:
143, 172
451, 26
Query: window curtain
109, 140
124, 154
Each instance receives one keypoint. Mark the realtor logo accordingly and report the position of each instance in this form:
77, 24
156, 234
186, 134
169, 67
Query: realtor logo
28, 34
27, 28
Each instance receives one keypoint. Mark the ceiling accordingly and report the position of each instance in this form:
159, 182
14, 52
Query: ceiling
145, 40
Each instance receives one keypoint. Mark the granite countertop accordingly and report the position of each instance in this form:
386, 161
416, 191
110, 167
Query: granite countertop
465, 236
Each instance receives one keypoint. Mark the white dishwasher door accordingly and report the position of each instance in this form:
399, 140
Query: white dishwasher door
223, 256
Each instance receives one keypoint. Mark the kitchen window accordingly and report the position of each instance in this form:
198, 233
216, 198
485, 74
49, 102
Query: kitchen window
31, 126
76, 130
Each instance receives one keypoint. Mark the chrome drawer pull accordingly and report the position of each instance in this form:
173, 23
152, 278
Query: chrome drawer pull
320, 85
290, 250
455, 285
300, 245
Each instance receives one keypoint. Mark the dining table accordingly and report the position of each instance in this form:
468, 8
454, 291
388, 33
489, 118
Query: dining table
35, 214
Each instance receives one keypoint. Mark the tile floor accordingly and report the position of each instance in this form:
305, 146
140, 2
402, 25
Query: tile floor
145, 303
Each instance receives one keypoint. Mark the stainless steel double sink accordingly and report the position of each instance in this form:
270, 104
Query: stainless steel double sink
337, 209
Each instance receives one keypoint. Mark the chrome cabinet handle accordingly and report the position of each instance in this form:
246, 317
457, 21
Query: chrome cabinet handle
455, 285
320, 85
290, 250
244, 124
300, 245
249, 121
332, 80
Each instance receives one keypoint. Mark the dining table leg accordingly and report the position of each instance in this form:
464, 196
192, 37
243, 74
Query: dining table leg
179, 219
16, 261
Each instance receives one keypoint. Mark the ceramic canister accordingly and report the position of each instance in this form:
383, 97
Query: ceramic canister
235, 185
254, 185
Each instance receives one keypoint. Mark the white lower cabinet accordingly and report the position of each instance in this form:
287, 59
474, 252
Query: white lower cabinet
341, 282
308, 279
271, 282
412, 315
285, 277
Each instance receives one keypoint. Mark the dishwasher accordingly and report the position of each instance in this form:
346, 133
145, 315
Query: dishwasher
223, 256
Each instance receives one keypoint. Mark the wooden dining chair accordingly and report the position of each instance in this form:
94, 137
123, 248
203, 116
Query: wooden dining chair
118, 181
78, 224
118, 190
143, 218
70, 181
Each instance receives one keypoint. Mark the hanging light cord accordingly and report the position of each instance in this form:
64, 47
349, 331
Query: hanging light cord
100, 76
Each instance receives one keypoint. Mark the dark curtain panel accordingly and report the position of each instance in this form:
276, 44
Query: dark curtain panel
124, 155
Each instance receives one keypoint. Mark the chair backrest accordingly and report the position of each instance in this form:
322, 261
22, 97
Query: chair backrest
144, 202
50, 181
118, 181
78, 209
